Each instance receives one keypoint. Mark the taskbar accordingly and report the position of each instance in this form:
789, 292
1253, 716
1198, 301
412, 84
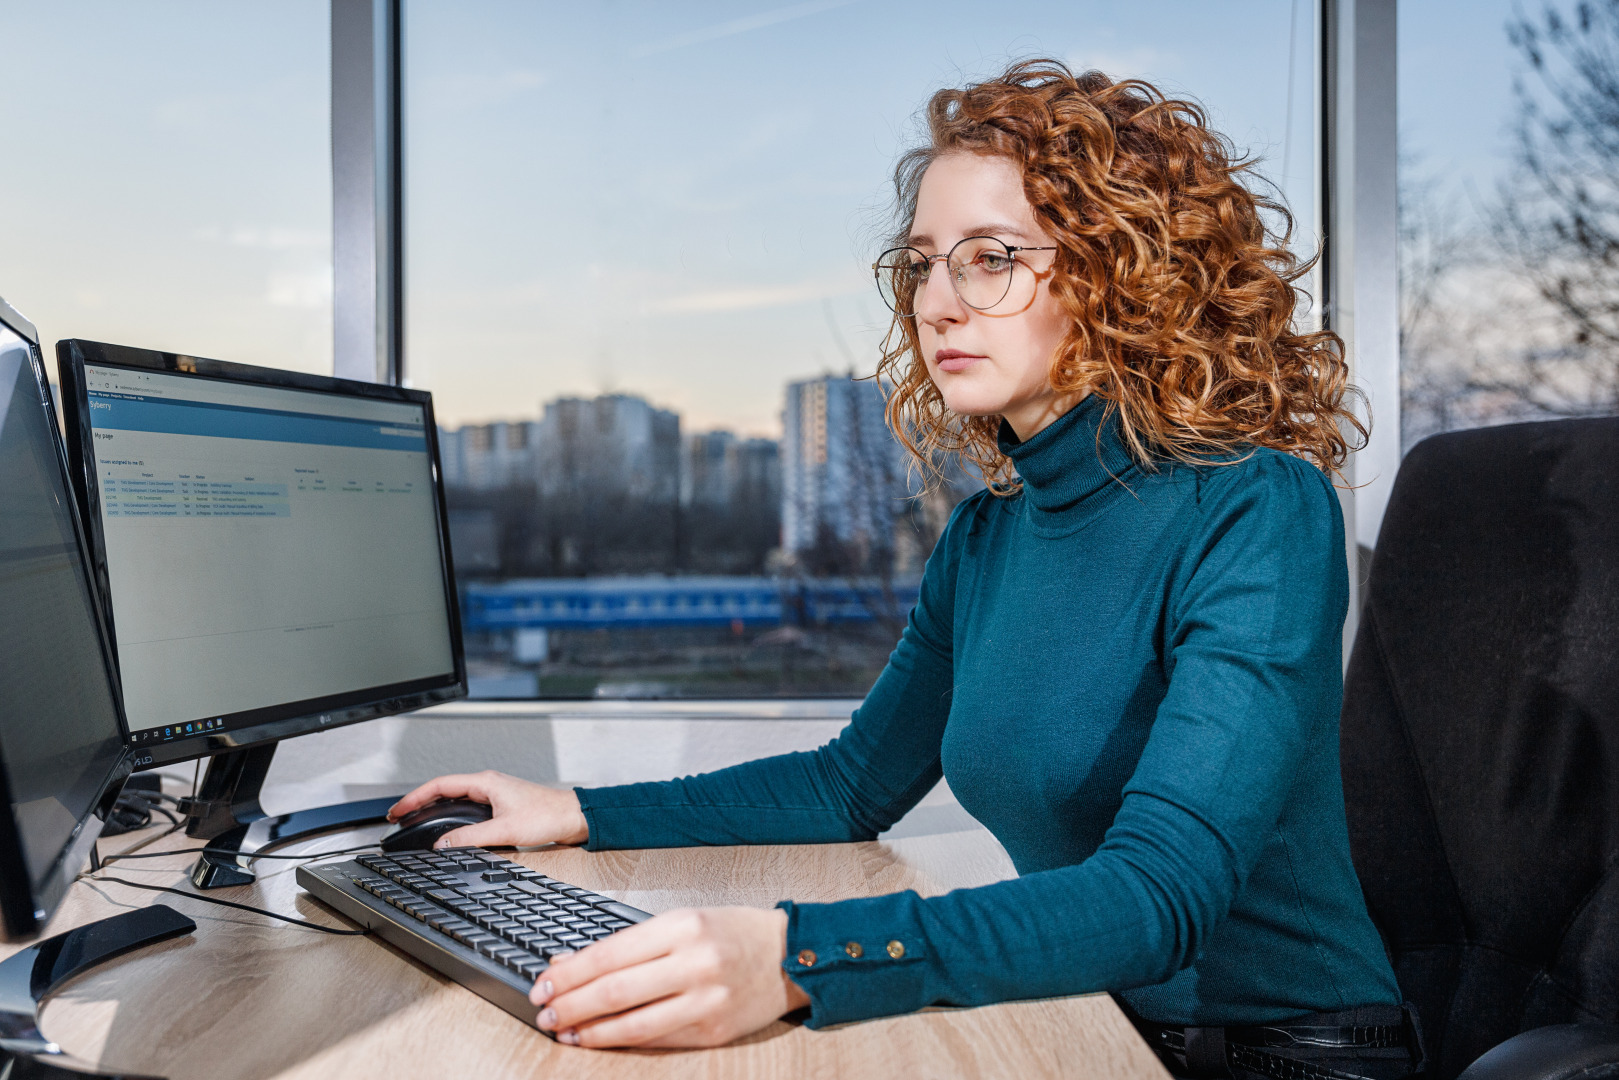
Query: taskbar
171, 732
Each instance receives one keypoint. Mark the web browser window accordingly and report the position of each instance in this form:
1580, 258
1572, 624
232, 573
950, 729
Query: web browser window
264, 545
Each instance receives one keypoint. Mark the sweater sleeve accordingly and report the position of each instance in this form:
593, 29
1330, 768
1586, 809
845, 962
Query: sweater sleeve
1252, 647
853, 788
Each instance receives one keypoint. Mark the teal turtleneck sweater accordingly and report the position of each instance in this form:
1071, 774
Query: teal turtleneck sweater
1131, 677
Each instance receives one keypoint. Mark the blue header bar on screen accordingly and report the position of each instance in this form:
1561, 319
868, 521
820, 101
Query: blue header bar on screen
127, 412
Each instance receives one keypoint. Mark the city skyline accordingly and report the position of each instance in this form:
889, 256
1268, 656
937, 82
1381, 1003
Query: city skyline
835, 482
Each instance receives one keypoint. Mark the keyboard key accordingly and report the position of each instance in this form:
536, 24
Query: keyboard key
623, 911
531, 969
496, 875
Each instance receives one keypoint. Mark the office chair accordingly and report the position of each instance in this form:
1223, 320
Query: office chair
1481, 747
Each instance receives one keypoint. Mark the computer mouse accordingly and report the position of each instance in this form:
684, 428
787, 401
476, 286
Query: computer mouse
420, 828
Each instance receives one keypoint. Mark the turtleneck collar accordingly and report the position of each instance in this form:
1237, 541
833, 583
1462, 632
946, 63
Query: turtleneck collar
1071, 460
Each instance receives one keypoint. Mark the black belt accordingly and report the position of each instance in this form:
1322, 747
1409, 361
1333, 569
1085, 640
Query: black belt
1211, 1051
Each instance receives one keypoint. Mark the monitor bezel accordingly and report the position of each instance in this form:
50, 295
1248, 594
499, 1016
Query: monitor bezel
27, 901
253, 727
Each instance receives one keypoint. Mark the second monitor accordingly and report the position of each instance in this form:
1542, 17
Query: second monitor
274, 547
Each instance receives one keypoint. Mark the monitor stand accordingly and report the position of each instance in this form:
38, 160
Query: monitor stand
27, 977
226, 813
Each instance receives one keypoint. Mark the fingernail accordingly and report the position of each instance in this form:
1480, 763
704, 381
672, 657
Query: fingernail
569, 1037
548, 1019
543, 992
439, 845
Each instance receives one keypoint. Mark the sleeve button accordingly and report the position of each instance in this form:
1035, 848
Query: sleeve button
854, 950
896, 950
806, 957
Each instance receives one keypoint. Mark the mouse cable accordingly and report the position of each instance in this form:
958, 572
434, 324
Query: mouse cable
227, 903
249, 856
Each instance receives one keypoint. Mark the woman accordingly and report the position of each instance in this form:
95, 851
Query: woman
1125, 655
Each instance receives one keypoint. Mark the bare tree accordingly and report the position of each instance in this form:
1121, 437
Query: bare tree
1557, 218
1439, 368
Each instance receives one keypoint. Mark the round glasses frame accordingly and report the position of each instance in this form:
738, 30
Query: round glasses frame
892, 268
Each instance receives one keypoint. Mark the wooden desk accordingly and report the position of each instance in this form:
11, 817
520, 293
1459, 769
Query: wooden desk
246, 997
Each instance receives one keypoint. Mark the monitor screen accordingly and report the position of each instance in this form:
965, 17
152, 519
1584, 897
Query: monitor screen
59, 725
269, 550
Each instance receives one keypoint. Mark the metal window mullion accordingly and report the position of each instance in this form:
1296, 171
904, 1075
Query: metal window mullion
1360, 276
367, 191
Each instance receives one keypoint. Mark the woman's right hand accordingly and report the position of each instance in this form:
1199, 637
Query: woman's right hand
525, 814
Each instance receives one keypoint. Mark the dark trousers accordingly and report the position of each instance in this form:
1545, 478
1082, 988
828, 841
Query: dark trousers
1376, 1042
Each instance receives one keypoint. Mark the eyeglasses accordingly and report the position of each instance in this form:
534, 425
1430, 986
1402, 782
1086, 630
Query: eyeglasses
982, 269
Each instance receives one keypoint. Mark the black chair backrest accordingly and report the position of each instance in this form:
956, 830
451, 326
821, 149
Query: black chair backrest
1481, 732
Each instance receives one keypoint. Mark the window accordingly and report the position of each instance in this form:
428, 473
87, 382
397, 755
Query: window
637, 242
1507, 213
168, 177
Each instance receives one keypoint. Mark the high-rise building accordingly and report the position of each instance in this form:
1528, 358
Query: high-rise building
754, 469
484, 457
843, 474
704, 479
614, 445
720, 470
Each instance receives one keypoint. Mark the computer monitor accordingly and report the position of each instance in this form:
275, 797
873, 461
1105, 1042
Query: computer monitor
275, 553
61, 745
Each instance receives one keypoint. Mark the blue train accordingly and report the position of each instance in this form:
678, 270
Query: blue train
626, 602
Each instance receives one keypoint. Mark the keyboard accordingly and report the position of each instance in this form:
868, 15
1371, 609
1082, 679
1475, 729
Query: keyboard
484, 921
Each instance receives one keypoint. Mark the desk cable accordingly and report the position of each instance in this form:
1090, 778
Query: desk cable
96, 863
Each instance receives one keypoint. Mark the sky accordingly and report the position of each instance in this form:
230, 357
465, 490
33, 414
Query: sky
675, 200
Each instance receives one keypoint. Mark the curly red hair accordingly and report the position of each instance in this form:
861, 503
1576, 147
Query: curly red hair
1182, 297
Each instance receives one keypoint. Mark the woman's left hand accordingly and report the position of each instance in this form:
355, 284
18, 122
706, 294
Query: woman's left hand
695, 977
